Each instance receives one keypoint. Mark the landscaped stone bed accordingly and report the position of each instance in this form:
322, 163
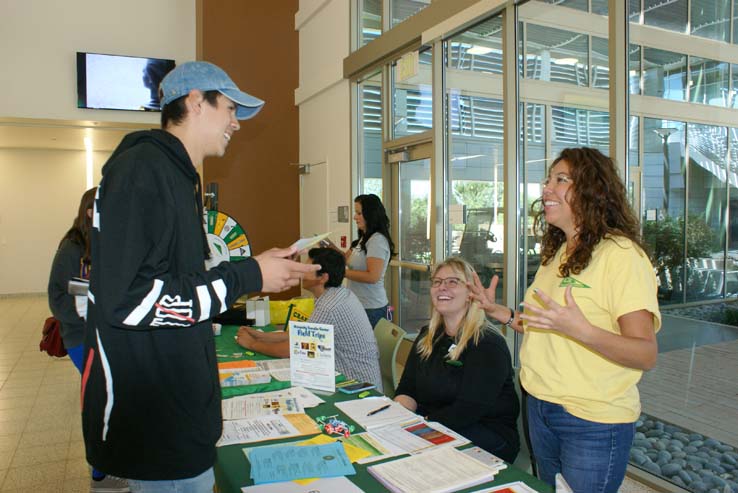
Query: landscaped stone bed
688, 459
721, 313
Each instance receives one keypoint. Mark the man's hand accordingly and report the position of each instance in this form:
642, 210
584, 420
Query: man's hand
278, 273
244, 337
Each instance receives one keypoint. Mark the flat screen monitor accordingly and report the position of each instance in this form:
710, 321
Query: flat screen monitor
115, 82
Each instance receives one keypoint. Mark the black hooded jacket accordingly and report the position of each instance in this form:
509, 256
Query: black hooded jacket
150, 388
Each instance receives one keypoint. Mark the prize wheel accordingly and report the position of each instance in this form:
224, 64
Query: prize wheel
226, 239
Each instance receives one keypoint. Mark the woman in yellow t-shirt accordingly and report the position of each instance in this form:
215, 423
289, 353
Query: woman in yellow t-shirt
590, 320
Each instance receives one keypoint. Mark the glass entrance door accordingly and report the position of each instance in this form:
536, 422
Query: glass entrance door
413, 231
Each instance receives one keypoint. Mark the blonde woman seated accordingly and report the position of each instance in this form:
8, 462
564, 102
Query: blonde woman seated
459, 371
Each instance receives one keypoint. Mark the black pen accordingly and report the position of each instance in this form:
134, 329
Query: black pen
378, 410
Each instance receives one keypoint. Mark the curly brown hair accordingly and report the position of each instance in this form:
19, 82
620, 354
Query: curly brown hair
598, 200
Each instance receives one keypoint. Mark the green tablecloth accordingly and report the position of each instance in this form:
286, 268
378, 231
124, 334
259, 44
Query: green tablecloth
232, 468
227, 349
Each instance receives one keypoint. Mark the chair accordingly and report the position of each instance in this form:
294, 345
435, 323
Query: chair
389, 336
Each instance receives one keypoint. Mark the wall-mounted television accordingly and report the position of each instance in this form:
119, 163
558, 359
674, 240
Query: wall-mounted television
115, 82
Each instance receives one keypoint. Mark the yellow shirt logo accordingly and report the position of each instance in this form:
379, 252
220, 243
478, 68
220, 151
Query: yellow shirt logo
570, 281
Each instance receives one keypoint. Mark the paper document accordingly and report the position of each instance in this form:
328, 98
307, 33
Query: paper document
266, 428
255, 405
375, 448
272, 464
282, 375
273, 364
286, 401
312, 356
367, 412
78, 286
353, 453
304, 243
240, 365
516, 487
436, 434
563, 487
416, 437
485, 458
325, 485
234, 378
441, 470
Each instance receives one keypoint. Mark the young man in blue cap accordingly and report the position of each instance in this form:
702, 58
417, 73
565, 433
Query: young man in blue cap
150, 389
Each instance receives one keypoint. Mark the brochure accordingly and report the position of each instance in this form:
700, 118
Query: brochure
290, 462
312, 356
270, 427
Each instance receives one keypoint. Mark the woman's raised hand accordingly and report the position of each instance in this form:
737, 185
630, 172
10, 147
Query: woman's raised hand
485, 297
567, 318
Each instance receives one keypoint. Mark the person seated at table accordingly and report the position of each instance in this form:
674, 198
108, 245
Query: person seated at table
357, 355
459, 371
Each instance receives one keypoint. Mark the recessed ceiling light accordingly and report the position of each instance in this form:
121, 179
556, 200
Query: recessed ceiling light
566, 61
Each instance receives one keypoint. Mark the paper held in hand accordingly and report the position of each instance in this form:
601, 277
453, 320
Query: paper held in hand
304, 243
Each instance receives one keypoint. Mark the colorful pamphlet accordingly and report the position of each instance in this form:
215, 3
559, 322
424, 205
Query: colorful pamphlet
312, 356
290, 462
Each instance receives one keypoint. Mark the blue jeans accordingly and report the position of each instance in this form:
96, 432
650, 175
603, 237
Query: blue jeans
76, 354
591, 456
375, 314
203, 483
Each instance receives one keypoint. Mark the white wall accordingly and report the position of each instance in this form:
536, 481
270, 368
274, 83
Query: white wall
324, 101
39, 197
39, 40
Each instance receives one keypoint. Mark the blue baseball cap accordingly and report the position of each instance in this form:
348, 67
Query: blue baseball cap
205, 76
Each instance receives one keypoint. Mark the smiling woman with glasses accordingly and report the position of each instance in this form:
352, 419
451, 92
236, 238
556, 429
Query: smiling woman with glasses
459, 371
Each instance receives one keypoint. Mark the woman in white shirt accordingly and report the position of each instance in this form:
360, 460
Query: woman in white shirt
369, 255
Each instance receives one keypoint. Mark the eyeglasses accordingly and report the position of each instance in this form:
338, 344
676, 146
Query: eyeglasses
559, 179
450, 282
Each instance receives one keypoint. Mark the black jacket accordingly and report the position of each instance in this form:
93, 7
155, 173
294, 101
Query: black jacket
150, 389
478, 389
70, 310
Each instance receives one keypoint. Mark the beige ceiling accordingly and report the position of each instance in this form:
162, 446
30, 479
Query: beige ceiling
62, 135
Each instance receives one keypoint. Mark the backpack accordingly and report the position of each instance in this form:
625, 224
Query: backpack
51, 340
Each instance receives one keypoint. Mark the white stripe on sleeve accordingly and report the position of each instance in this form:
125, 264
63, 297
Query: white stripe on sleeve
138, 313
203, 296
221, 291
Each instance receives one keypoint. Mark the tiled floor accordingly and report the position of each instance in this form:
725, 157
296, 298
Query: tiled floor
41, 448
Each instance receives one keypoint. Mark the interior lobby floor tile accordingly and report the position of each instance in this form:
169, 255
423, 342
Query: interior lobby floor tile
36, 477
